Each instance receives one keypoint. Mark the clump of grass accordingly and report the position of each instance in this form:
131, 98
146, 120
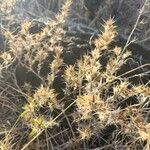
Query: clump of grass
6, 7
94, 97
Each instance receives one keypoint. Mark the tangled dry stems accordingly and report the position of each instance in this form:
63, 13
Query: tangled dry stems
91, 97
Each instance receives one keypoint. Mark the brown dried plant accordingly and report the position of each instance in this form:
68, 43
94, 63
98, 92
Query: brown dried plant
94, 96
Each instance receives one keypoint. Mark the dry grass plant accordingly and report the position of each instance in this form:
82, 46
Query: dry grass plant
91, 96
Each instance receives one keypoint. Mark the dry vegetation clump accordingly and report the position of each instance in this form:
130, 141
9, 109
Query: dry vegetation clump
6, 7
95, 107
